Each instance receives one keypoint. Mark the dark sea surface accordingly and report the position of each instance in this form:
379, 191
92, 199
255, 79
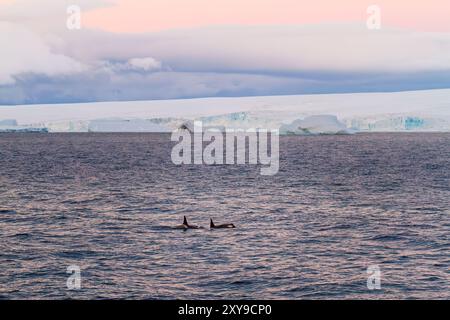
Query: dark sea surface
106, 202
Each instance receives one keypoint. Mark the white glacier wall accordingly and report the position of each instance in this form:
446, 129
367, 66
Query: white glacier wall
11, 125
119, 125
8, 123
399, 122
400, 111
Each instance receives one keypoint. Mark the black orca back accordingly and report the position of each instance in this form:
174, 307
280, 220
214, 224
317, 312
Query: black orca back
221, 226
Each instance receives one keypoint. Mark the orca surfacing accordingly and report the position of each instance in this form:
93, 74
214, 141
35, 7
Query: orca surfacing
186, 225
221, 226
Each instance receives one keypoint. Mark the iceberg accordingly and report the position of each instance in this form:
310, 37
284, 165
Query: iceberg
189, 126
19, 129
11, 125
320, 124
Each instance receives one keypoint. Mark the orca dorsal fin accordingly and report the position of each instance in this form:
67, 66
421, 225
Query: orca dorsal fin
211, 225
185, 221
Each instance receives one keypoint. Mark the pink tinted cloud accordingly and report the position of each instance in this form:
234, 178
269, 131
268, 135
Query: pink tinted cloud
156, 15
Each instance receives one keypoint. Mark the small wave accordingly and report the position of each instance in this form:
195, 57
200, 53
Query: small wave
343, 226
242, 282
76, 254
6, 211
387, 238
21, 235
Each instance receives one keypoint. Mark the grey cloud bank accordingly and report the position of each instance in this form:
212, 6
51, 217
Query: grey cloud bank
44, 62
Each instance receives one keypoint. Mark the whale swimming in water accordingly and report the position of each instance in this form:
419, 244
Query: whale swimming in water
221, 226
189, 225
186, 225
181, 227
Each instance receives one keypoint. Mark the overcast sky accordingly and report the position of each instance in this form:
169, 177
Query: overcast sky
164, 49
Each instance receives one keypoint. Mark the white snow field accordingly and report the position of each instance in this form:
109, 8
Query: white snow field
380, 112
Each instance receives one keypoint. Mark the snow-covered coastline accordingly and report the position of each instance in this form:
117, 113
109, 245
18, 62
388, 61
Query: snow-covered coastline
414, 111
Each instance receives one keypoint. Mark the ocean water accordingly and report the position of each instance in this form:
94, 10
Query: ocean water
106, 202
